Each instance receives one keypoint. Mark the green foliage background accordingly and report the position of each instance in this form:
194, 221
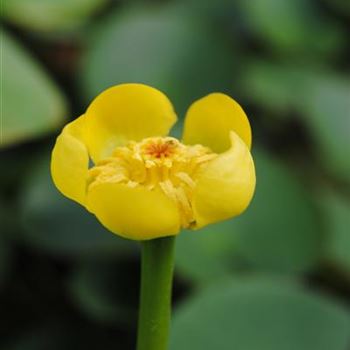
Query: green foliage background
276, 278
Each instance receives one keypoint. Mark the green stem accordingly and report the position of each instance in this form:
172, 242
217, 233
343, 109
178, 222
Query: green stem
155, 298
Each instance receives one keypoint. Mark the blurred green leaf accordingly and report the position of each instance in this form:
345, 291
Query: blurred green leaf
105, 291
50, 15
258, 314
293, 26
278, 233
327, 113
165, 47
321, 97
207, 254
272, 85
57, 225
209, 8
337, 220
33, 105
280, 230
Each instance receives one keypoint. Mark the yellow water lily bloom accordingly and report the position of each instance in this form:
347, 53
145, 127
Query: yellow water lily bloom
117, 161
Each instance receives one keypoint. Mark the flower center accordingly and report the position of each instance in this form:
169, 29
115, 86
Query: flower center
160, 148
157, 163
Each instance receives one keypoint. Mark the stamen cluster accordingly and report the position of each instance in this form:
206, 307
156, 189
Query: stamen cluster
156, 163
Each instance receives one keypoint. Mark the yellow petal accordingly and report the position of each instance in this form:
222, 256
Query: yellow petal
134, 212
210, 120
70, 161
126, 112
226, 186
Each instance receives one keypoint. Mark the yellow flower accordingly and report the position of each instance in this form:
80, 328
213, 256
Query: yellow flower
144, 184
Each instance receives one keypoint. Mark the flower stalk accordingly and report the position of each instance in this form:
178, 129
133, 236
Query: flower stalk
155, 296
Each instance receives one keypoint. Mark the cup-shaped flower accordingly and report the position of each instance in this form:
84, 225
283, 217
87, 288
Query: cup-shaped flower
117, 162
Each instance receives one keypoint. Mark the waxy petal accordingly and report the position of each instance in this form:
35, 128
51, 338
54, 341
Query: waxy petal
70, 161
134, 212
209, 121
226, 185
123, 113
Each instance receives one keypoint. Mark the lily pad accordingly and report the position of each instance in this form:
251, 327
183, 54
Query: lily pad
327, 107
280, 230
267, 237
163, 46
293, 27
206, 255
274, 86
337, 220
50, 15
260, 314
32, 104
319, 96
